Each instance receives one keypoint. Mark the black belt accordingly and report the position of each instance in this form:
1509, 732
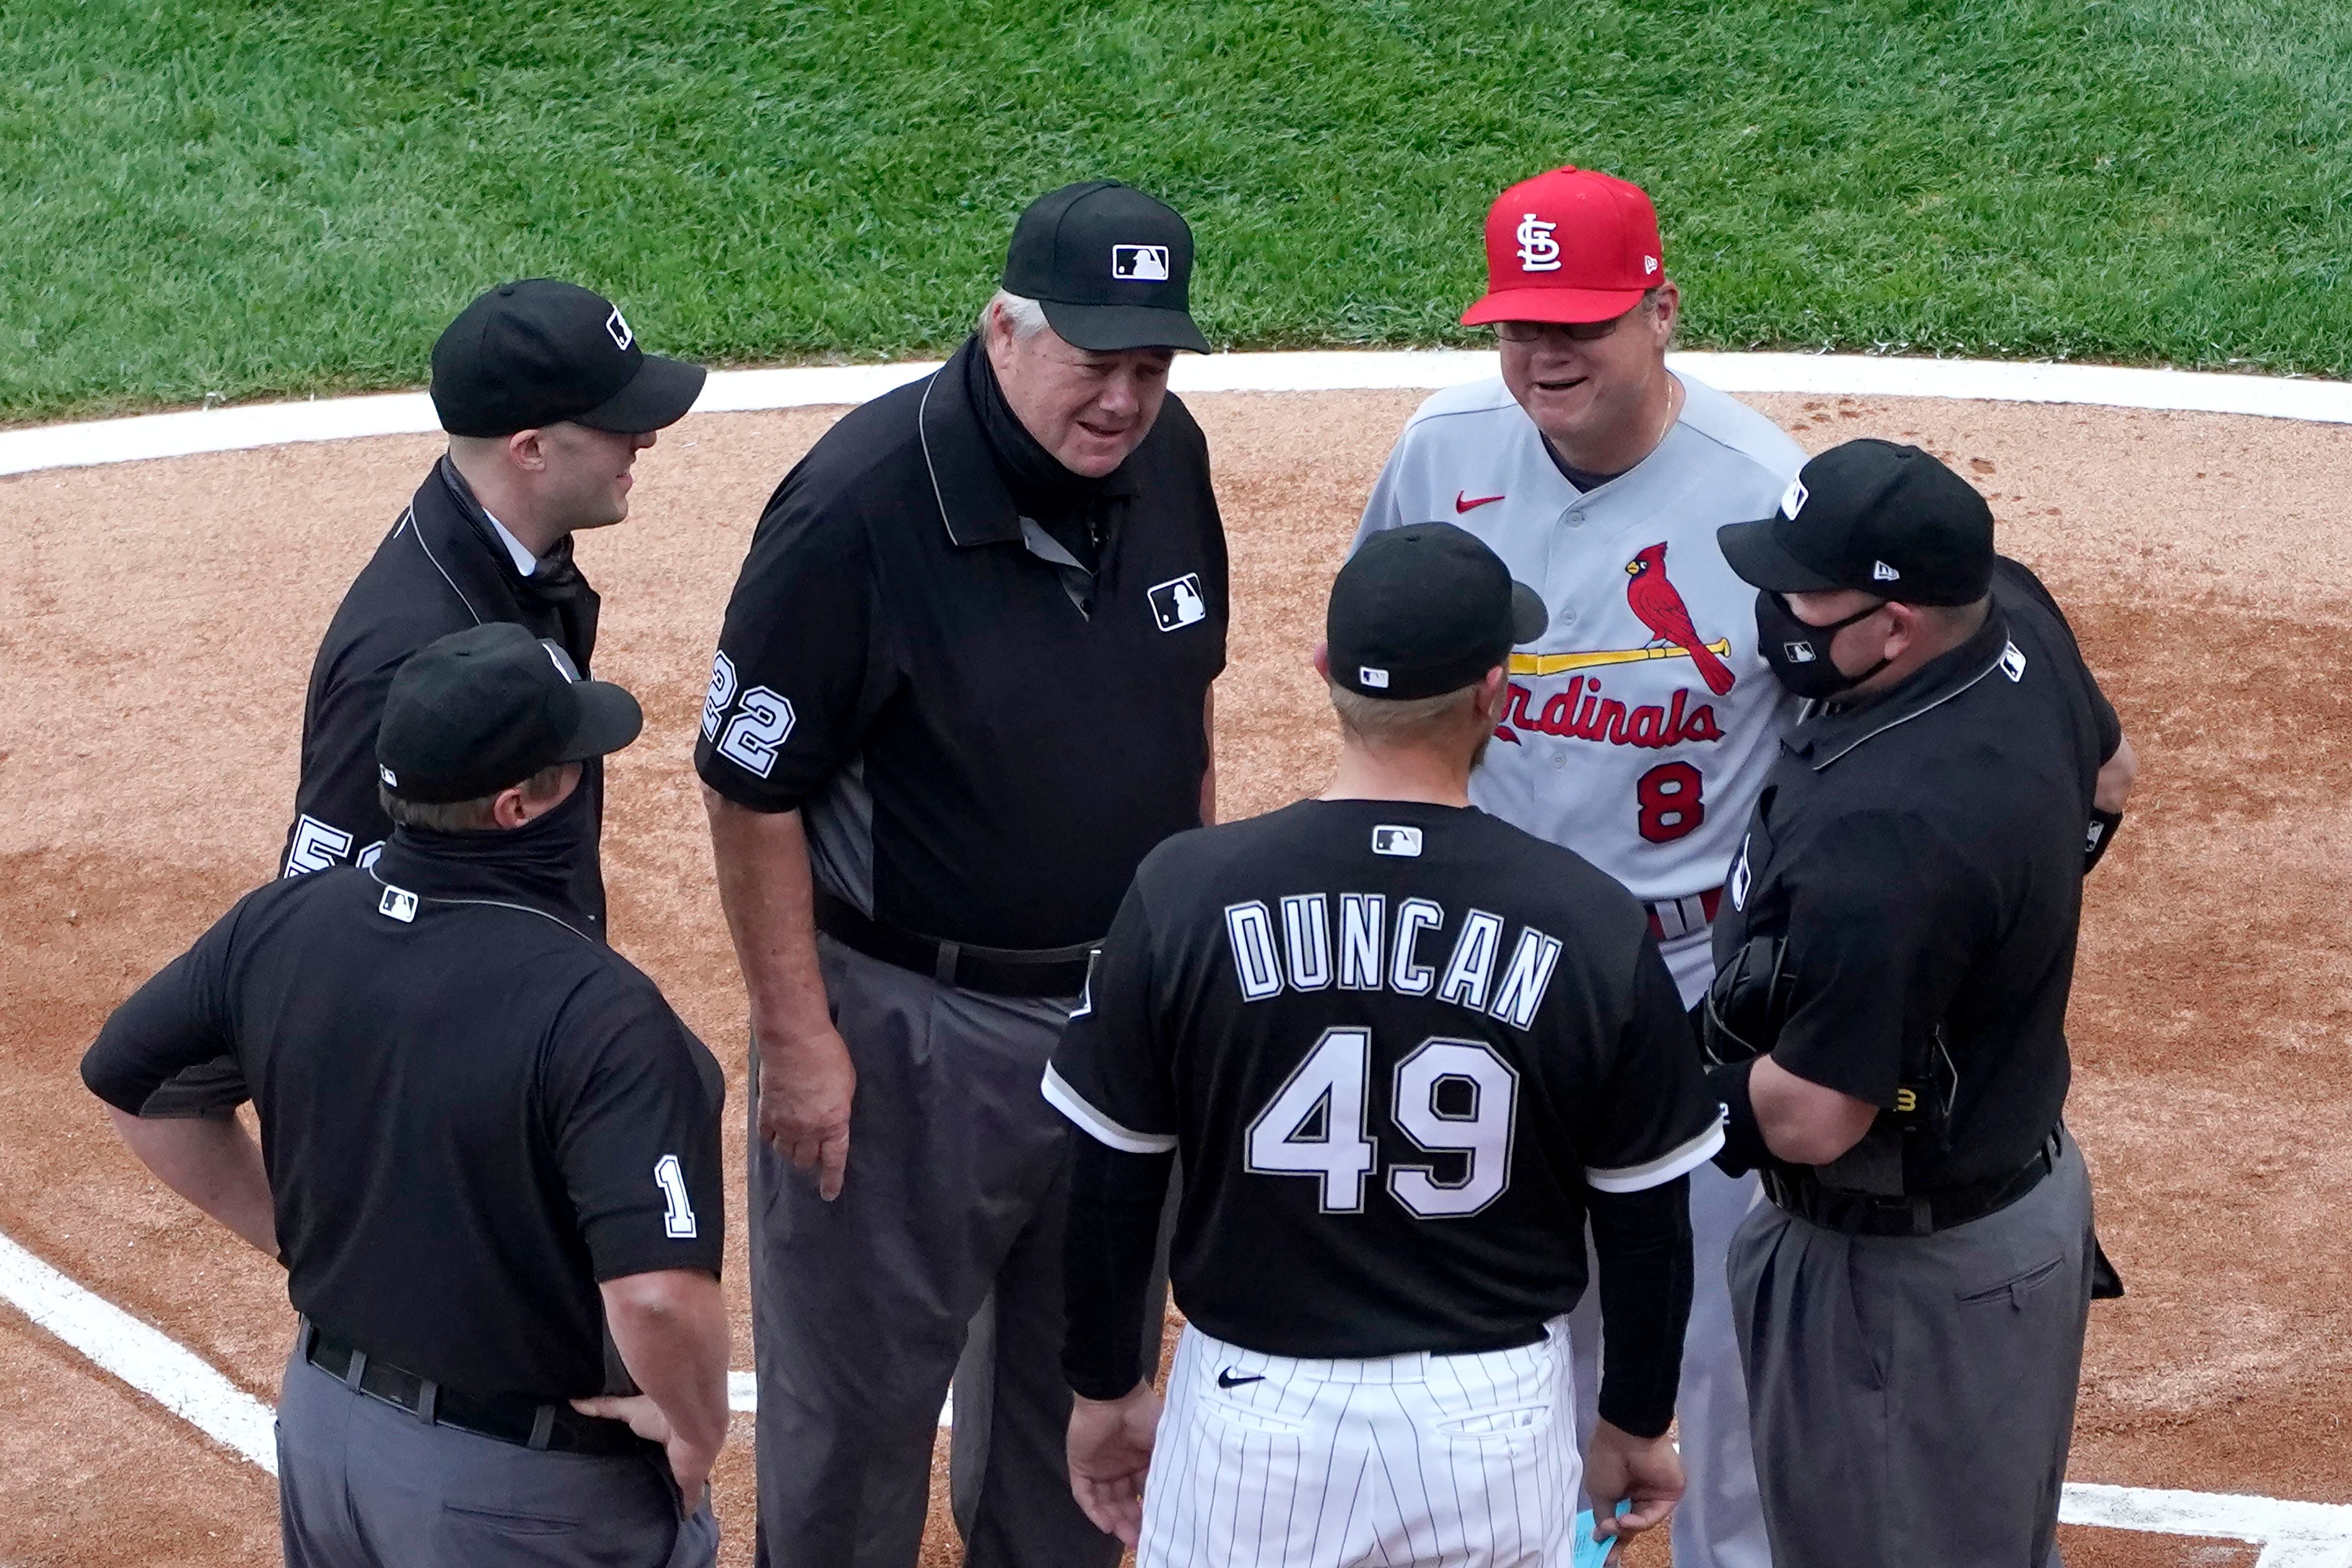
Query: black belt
1004, 971
1798, 1191
509, 1417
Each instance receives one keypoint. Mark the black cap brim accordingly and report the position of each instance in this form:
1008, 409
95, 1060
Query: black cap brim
1106, 328
1528, 615
610, 719
657, 397
1754, 551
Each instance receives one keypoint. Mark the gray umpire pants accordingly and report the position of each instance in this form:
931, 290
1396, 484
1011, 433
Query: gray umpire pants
941, 1260
363, 1485
1913, 1397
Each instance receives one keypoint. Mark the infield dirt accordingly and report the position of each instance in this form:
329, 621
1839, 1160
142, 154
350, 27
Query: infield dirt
158, 621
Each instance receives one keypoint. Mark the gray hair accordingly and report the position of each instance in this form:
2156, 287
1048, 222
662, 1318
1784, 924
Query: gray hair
466, 816
1405, 721
1024, 315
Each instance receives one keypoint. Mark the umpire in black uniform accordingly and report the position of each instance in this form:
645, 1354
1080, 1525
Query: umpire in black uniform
1888, 1019
961, 690
547, 400
489, 1155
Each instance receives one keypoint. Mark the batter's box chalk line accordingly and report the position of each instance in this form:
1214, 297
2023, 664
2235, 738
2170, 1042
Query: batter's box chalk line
244, 426
2292, 1534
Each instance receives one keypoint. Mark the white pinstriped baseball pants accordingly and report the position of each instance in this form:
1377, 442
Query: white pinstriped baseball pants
1262, 1461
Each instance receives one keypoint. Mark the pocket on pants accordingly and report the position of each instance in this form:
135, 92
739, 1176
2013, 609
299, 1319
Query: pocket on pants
1499, 1425
2014, 1291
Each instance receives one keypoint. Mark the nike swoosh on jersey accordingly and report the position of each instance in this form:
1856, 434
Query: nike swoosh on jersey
1464, 501
1226, 1379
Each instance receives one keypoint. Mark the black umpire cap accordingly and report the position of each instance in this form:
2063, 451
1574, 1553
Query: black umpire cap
1871, 515
1424, 609
540, 351
483, 709
1112, 268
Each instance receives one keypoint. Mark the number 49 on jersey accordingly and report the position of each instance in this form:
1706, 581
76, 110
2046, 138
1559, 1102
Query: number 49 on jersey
1451, 1097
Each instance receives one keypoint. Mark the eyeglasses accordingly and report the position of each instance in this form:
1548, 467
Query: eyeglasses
1574, 331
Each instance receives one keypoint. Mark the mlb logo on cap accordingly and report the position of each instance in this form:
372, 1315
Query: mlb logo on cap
1139, 262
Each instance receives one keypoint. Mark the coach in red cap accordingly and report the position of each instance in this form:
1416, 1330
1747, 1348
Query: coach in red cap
1639, 724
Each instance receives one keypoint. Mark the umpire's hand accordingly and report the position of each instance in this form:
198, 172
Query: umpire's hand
806, 1084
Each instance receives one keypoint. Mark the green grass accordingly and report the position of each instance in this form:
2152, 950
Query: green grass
205, 199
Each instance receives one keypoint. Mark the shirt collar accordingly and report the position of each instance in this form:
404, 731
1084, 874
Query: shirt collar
1824, 735
525, 563
973, 501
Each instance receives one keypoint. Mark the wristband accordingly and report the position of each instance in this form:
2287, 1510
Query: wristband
2099, 833
1743, 1139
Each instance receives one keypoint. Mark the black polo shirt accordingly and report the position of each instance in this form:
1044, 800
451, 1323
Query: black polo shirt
442, 568
1921, 854
472, 1111
983, 739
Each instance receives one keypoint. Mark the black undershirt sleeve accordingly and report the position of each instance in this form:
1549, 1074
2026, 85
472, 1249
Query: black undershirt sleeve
1642, 1242
1115, 1203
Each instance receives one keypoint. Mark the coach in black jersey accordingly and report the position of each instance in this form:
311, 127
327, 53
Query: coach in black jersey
489, 1154
1894, 958
1403, 1049
547, 400
962, 687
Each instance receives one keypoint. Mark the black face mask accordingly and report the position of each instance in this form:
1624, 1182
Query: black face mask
1799, 652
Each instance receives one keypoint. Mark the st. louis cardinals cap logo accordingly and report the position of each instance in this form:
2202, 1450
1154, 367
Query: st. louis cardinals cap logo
1539, 252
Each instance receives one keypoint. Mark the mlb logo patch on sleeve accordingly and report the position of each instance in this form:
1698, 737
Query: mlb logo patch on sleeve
1139, 262
1396, 840
1177, 603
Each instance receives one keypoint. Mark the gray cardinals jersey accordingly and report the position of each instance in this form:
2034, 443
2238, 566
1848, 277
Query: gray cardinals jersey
1641, 725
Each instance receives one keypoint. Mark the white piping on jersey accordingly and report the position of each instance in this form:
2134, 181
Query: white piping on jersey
408, 521
923, 437
487, 903
1914, 713
1662, 1170
1101, 1128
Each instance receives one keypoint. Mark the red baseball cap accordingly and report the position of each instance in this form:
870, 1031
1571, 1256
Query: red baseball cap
1569, 246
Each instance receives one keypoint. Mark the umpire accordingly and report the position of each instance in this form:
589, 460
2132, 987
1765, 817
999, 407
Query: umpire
1887, 1023
961, 690
547, 400
486, 1144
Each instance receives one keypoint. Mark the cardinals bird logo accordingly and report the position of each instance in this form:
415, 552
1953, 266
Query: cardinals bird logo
1661, 609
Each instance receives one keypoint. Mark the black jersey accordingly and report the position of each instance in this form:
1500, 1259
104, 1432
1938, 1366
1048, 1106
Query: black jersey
1395, 1045
472, 1111
1914, 861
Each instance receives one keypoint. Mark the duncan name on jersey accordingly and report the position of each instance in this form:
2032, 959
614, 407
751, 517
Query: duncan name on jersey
1396, 1044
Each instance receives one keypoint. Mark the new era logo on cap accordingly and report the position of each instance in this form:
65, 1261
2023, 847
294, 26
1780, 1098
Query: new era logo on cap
1882, 572
1139, 262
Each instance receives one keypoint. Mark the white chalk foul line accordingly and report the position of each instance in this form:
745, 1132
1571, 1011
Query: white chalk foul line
151, 1362
2295, 1535
799, 386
